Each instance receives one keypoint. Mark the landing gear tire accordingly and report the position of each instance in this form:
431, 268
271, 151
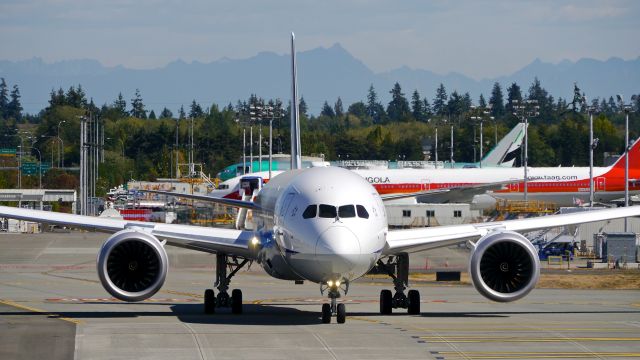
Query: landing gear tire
209, 302
414, 302
341, 314
326, 313
236, 301
385, 302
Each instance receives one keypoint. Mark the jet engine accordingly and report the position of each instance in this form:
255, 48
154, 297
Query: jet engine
504, 266
132, 265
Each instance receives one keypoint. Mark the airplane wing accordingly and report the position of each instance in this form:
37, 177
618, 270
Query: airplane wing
414, 240
207, 239
230, 202
389, 197
462, 193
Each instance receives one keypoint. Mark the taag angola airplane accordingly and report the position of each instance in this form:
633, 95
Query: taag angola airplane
326, 225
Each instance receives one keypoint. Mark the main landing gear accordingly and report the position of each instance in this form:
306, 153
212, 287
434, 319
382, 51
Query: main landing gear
339, 310
211, 302
397, 267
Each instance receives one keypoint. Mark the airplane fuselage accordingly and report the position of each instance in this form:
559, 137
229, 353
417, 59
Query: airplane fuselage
319, 224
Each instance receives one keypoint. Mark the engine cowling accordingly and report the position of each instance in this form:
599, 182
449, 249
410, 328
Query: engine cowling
504, 266
132, 265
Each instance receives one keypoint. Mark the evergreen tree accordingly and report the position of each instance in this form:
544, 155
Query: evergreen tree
181, 113
513, 93
327, 110
440, 101
358, 109
195, 110
56, 98
167, 114
152, 115
545, 101
455, 105
338, 107
427, 108
612, 105
137, 107
482, 102
14, 108
577, 98
120, 105
398, 108
466, 102
497, 101
4, 98
372, 101
417, 106
375, 110
302, 107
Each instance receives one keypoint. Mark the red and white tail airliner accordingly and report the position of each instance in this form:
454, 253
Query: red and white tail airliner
564, 186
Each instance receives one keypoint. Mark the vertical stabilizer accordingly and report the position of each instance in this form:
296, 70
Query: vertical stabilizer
296, 155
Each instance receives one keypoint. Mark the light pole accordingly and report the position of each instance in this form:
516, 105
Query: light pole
524, 110
480, 117
61, 148
593, 143
19, 159
626, 109
39, 167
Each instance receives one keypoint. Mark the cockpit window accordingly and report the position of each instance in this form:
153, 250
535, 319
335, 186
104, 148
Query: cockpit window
362, 212
310, 212
327, 211
346, 211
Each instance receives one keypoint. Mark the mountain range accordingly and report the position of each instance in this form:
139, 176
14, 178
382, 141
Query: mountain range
324, 74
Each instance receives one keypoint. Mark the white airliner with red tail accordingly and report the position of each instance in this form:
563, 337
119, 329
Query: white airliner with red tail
324, 225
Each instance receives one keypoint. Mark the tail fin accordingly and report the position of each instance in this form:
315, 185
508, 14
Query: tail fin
296, 156
506, 151
617, 169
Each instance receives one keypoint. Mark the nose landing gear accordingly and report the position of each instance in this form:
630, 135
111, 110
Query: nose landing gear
211, 302
339, 310
398, 269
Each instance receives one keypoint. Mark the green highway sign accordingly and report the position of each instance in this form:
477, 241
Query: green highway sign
31, 168
7, 152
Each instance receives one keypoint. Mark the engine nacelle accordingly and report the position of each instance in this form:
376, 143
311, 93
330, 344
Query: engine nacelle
504, 266
132, 265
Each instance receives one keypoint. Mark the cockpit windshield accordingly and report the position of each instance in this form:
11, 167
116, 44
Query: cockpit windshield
327, 211
332, 212
346, 211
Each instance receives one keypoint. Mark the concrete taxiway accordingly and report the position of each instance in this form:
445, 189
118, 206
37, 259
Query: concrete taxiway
52, 306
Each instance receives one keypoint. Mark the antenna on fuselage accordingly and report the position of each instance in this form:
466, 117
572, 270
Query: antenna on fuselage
296, 156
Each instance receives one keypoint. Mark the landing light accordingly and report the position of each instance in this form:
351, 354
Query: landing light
330, 283
255, 241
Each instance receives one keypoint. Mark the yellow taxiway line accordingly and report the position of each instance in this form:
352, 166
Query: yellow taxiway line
39, 311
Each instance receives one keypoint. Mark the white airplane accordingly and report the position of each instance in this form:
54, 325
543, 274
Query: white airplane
325, 225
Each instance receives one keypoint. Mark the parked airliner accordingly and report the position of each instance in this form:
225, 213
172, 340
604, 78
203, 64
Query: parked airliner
325, 225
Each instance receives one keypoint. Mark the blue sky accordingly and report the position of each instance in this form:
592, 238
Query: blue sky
476, 38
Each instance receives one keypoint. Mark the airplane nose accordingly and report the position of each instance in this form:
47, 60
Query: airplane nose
337, 250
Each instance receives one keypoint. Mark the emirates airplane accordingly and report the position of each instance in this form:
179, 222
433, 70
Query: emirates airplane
325, 225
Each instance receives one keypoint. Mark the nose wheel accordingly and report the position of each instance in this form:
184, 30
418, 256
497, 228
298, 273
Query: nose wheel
233, 301
398, 269
333, 308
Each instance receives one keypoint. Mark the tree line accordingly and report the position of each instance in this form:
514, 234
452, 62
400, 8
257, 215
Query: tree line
140, 144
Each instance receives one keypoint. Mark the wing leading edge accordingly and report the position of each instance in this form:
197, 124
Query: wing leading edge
414, 240
207, 239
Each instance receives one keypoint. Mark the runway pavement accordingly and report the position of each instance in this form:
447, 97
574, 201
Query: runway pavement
52, 306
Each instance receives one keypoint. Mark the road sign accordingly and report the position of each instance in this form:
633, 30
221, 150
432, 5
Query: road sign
29, 168
8, 152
